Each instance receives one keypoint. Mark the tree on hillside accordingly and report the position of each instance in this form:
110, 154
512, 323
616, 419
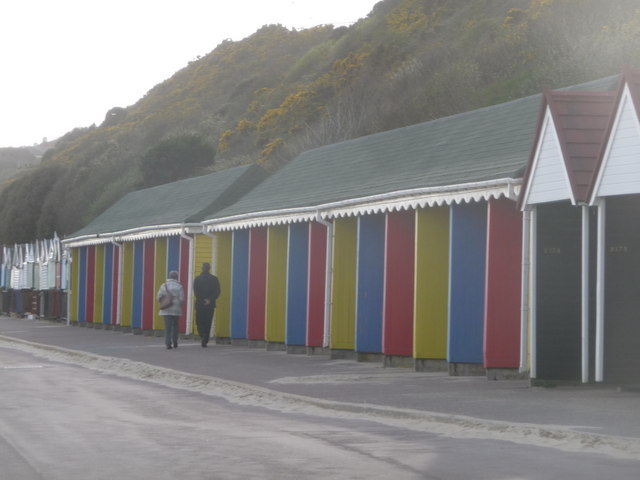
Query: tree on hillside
175, 158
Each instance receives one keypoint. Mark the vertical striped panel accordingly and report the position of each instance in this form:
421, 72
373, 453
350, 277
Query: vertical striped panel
398, 283
115, 279
160, 275
431, 302
90, 283
138, 266
502, 300
316, 284
98, 286
148, 284
370, 281
467, 282
173, 254
184, 269
343, 291
173, 263
257, 283
297, 272
126, 306
203, 252
222, 317
276, 286
239, 284
107, 301
75, 284
558, 291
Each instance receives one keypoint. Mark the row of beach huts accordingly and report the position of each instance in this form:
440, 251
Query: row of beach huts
503, 241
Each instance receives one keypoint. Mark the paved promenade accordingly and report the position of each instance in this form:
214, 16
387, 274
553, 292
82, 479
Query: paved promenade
600, 415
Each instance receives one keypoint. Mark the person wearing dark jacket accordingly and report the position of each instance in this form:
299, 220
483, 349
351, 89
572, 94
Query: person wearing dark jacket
206, 289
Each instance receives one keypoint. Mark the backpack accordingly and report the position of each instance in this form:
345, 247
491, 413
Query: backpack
165, 300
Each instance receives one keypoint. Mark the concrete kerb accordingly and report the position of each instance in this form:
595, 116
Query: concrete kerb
458, 426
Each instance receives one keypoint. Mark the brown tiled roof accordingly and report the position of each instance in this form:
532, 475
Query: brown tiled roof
582, 115
582, 121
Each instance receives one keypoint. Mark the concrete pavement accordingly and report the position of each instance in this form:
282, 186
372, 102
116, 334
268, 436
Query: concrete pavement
597, 414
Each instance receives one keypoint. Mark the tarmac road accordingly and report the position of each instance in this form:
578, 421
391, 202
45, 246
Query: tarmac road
86, 403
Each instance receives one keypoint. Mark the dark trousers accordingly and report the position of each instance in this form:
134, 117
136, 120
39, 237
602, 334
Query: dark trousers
204, 318
171, 330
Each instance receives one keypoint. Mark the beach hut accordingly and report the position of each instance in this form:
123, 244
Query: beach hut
379, 248
616, 195
571, 133
123, 256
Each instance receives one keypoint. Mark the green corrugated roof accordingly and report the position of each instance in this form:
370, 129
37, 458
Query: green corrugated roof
184, 201
486, 144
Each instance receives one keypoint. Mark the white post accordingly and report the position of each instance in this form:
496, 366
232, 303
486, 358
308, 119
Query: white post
600, 292
189, 290
585, 294
120, 248
327, 281
532, 305
524, 290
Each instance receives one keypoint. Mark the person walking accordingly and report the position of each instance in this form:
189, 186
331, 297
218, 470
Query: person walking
206, 289
173, 311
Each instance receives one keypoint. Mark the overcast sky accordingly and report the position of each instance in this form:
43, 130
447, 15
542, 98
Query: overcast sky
65, 63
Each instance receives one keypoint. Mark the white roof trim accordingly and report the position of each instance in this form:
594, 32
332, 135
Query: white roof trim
388, 202
624, 98
140, 233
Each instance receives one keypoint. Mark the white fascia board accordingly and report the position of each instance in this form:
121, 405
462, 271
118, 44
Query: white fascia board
624, 98
381, 203
140, 233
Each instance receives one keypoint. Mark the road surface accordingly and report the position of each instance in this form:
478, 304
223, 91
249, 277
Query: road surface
60, 420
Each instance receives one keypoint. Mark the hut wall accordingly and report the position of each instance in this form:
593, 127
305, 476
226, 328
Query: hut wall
240, 284
622, 301
276, 286
549, 181
297, 275
343, 291
558, 287
137, 290
222, 269
257, 283
159, 277
203, 252
370, 283
467, 282
89, 279
115, 280
504, 270
126, 307
183, 269
431, 299
621, 174
149, 285
316, 284
99, 284
108, 287
399, 284
75, 276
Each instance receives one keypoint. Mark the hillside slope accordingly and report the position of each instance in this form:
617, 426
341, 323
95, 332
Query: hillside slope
278, 92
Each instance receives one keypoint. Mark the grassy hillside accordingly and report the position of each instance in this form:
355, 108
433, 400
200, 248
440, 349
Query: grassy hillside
278, 92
